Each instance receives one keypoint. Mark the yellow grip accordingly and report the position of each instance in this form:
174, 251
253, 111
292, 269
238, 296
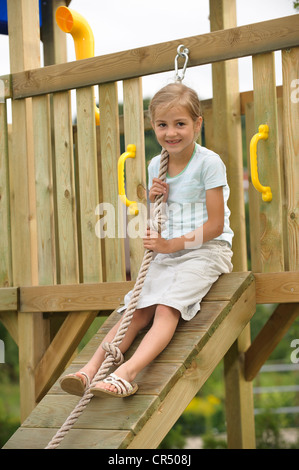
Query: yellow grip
130, 153
265, 190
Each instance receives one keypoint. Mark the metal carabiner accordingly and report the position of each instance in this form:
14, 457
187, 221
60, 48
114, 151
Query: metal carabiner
184, 54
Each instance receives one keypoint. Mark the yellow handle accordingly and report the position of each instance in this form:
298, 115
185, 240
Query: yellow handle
130, 153
265, 190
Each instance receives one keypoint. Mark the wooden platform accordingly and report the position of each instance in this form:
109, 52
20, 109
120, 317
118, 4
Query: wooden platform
165, 387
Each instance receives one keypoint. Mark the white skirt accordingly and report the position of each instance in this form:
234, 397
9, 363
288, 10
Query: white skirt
180, 280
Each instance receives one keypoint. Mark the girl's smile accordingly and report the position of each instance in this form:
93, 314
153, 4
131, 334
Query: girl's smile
175, 131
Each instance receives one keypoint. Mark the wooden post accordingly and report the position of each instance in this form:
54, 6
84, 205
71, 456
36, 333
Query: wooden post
5, 243
54, 39
9, 319
228, 143
24, 44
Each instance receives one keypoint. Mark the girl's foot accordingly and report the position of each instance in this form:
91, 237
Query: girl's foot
122, 372
122, 387
75, 384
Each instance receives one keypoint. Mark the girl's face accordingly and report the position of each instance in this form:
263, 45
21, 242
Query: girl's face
175, 130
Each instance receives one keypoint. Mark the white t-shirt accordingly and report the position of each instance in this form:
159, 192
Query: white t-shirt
186, 203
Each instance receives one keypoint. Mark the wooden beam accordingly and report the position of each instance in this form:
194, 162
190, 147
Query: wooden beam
8, 299
75, 297
204, 49
272, 288
10, 321
6, 86
268, 338
105, 295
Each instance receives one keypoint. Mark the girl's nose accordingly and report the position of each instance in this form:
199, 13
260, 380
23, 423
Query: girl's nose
171, 131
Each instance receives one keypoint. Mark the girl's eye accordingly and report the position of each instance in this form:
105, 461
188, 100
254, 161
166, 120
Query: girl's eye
181, 124
162, 124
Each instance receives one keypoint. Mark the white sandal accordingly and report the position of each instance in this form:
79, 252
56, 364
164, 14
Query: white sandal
73, 383
124, 388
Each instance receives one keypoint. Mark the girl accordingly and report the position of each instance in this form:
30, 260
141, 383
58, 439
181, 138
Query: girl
191, 252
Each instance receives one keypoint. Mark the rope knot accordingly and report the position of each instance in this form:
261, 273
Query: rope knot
113, 351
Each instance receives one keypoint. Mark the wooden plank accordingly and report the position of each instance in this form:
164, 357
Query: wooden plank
277, 287
269, 337
38, 438
135, 170
107, 413
5, 238
207, 48
8, 298
196, 375
107, 295
254, 196
75, 297
65, 190
115, 269
290, 70
155, 379
269, 164
228, 286
44, 190
90, 245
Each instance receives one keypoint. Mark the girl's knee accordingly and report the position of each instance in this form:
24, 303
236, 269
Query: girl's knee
168, 312
142, 317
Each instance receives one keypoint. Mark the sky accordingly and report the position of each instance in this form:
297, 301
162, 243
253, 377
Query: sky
120, 25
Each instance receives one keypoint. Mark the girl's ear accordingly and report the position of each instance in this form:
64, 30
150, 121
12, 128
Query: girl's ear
198, 124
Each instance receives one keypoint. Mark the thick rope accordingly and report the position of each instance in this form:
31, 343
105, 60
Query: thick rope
113, 354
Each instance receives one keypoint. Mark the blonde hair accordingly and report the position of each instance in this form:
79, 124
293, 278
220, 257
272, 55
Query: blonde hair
176, 94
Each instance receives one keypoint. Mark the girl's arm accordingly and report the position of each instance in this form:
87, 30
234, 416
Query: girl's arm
209, 230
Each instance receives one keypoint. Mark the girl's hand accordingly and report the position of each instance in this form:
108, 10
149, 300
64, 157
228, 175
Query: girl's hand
154, 242
158, 187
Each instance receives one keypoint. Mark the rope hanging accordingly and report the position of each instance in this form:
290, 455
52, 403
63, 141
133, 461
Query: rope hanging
113, 354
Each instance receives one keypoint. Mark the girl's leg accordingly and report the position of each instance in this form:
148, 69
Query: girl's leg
141, 319
154, 342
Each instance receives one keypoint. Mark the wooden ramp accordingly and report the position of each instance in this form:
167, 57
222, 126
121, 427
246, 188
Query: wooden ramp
165, 387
